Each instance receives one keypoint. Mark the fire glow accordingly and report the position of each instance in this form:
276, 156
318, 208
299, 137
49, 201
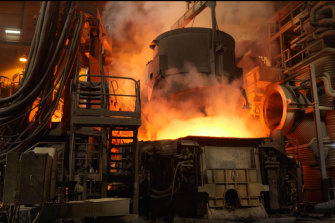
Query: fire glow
206, 126
216, 111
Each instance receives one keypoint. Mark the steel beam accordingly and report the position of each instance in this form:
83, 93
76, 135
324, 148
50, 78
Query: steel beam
190, 14
319, 137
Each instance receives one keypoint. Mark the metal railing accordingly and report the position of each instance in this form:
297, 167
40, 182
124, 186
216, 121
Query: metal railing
105, 95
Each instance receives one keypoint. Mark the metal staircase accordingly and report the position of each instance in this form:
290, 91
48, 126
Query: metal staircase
103, 137
91, 95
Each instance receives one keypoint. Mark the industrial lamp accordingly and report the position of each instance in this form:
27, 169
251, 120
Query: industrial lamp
23, 59
11, 31
22, 56
12, 35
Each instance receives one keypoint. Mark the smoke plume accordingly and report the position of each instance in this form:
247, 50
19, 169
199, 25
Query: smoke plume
247, 22
132, 26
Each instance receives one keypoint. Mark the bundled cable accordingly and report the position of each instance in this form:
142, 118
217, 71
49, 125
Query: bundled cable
52, 60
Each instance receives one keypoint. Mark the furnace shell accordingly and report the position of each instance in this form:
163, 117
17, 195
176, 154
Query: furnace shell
194, 46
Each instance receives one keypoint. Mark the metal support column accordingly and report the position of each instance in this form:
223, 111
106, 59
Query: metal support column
212, 5
317, 121
136, 181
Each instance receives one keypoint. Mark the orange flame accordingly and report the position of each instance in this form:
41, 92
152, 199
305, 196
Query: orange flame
216, 111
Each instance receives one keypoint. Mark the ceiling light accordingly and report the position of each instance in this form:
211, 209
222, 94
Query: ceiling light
9, 31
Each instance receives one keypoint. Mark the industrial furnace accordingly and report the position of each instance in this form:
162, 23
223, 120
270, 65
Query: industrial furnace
78, 142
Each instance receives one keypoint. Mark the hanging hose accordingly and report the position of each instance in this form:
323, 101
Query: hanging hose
52, 60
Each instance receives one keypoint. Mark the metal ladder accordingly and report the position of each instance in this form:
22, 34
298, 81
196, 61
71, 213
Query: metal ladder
121, 160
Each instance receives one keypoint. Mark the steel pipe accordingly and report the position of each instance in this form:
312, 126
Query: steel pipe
327, 84
314, 10
275, 110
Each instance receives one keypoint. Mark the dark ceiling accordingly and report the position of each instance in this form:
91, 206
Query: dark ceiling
20, 15
16, 15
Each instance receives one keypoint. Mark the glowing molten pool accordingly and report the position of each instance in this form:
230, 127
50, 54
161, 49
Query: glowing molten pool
208, 126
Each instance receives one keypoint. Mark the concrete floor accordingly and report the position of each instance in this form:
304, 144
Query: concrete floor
271, 219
